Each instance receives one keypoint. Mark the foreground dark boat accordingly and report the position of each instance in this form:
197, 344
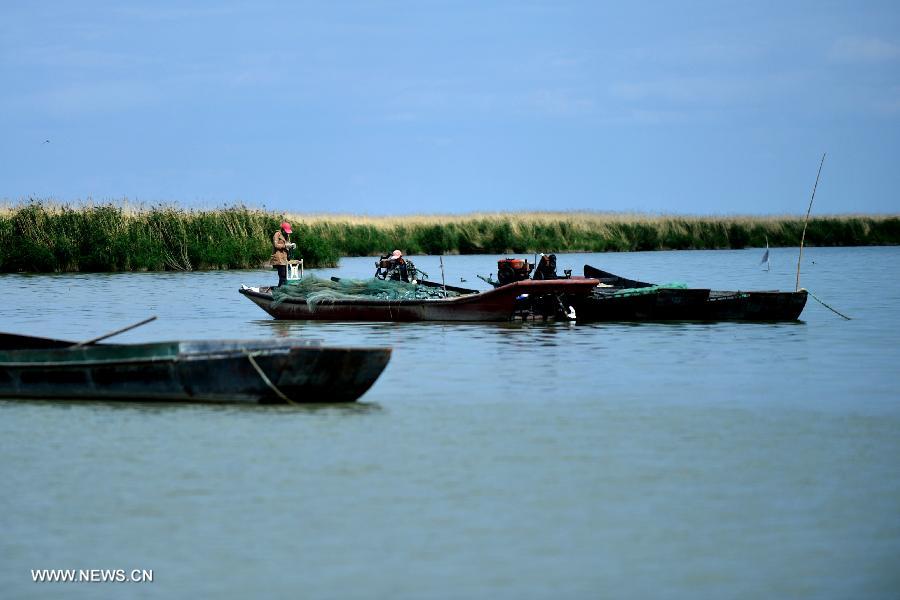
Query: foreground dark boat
620, 298
498, 304
235, 371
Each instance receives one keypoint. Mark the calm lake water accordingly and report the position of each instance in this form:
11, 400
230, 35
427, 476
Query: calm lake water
490, 460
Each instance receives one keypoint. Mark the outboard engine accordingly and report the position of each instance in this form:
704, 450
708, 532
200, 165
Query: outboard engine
510, 270
549, 305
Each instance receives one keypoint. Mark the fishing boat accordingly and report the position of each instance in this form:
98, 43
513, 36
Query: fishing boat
620, 298
286, 371
498, 304
654, 303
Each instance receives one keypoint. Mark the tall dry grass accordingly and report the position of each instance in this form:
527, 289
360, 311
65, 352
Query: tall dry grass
44, 236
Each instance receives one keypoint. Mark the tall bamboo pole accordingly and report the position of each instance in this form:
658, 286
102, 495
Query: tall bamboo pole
806, 222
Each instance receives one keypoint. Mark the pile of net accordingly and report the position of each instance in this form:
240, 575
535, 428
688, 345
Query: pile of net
315, 291
651, 289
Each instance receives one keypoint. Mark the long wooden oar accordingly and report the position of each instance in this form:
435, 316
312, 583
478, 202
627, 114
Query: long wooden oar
116, 332
13, 341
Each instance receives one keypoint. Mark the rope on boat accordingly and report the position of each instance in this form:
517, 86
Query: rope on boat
266, 380
822, 302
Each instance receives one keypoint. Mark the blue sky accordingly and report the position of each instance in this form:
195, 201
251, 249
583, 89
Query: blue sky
427, 107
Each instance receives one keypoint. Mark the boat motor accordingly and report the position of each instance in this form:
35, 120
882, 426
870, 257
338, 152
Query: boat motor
513, 269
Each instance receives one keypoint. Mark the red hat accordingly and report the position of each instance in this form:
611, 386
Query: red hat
287, 227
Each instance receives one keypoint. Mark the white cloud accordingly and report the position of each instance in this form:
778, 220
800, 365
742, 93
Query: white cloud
98, 96
60, 56
441, 98
888, 103
865, 49
559, 102
691, 90
654, 117
403, 117
414, 104
161, 13
704, 51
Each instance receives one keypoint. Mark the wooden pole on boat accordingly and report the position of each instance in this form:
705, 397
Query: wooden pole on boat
116, 332
806, 222
443, 282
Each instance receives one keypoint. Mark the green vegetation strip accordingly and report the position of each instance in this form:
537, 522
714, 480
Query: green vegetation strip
44, 237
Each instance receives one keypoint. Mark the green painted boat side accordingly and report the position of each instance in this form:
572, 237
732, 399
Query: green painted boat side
293, 371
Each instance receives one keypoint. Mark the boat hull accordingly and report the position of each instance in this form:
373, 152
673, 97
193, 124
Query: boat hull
498, 304
754, 306
717, 306
661, 304
194, 372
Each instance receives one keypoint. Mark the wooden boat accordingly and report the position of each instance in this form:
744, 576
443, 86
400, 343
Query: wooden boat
754, 306
236, 371
718, 305
498, 304
654, 304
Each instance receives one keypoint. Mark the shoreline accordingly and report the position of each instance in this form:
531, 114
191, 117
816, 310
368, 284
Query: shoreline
45, 238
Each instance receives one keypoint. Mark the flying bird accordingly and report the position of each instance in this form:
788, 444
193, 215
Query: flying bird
46, 141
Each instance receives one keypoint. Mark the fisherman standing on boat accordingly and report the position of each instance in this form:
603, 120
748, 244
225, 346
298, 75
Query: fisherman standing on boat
280, 256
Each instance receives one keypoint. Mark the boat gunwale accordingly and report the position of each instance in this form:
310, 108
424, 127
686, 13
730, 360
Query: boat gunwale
182, 356
581, 285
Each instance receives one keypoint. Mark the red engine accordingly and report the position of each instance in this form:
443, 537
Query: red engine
513, 269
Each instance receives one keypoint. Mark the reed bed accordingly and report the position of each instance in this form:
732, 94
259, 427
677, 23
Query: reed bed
48, 237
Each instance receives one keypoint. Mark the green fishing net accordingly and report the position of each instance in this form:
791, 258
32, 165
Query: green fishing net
675, 285
314, 291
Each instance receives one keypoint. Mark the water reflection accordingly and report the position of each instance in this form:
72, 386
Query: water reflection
149, 407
